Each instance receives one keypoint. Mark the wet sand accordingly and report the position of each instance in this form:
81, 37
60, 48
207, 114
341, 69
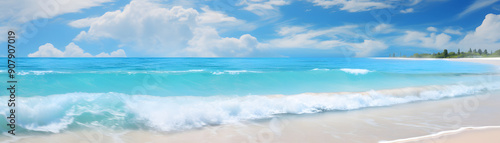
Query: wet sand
493, 61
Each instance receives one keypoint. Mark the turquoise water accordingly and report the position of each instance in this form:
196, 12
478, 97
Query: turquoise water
172, 94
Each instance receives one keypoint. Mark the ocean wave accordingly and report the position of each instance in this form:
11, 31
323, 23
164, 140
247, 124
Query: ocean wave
233, 72
355, 71
320, 69
55, 113
36, 72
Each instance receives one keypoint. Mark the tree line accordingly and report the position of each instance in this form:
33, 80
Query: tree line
476, 53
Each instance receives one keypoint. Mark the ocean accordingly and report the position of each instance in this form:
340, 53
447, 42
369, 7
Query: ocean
56, 95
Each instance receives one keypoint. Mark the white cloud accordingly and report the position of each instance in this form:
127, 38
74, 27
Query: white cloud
47, 50
408, 10
263, 7
432, 29
352, 5
208, 43
81, 23
71, 50
21, 11
486, 36
383, 28
312, 38
368, 48
452, 31
331, 38
415, 2
291, 30
421, 39
478, 4
158, 31
210, 16
117, 53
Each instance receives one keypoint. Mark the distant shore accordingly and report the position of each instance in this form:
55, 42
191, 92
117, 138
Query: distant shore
492, 61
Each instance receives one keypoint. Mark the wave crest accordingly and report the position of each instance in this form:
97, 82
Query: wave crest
56, 112
355, 71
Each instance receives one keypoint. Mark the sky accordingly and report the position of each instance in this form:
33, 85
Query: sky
248, 28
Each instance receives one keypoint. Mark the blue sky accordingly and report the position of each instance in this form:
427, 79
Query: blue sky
249, 28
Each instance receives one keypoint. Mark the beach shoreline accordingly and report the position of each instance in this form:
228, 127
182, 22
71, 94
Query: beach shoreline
483, 134
380, 122
399, 123
492, 61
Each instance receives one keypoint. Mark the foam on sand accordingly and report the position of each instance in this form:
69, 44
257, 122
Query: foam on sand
444, 136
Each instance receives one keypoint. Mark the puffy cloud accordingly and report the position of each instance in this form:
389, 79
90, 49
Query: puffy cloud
368, 48
478, 4
207, 43
71, 50
432, 29
117, 53
352, 5
331, 38
159, 31
485, 36
408, 10
421, 39
47, 50
26, 10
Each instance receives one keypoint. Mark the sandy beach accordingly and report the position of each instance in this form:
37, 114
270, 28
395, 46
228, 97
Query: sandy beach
487, 134
493, 61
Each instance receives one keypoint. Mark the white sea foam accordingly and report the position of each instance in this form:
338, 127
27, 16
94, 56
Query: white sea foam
439, 134
319, 69
56, 112
54, 127
355, 71
233, 72
35, 72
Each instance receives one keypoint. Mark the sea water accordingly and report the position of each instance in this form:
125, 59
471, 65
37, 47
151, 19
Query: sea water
177, 94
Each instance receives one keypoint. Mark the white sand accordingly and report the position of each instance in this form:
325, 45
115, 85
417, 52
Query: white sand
493, 61
486, 134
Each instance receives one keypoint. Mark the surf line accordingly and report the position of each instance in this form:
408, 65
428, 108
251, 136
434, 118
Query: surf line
11, 49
